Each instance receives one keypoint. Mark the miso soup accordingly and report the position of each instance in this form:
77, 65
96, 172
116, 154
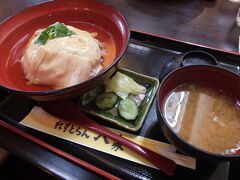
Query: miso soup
205, 117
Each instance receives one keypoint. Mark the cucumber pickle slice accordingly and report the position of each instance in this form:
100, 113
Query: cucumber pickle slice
128, 109
106, 100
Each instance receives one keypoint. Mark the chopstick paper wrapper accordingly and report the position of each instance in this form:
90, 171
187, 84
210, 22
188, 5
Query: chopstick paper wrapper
42, 121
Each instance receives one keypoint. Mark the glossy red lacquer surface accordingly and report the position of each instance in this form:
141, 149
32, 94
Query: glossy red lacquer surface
87, 15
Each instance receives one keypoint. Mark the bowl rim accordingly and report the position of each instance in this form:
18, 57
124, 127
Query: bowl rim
54, 91
186, 143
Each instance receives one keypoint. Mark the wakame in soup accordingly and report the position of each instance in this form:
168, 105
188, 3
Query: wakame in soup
205, 117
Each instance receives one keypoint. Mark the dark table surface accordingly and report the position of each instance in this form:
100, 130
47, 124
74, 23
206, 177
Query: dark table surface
207, 22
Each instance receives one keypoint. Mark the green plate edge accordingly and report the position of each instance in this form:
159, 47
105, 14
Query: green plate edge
144, 107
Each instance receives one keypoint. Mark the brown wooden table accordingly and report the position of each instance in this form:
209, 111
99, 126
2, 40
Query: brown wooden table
206, 22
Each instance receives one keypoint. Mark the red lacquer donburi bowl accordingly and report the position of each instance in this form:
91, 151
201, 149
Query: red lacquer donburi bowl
86, 15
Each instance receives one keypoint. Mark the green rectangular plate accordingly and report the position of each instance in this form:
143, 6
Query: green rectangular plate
136, 124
